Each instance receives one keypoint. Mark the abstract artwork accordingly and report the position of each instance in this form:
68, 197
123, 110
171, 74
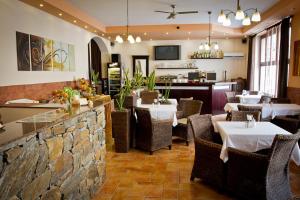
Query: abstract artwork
23, 51
35, 53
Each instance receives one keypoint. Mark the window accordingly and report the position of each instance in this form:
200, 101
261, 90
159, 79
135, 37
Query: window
268, 61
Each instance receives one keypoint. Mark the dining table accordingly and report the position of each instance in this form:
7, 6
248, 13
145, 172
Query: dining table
162, 111
249, 99
269, 110
261, 136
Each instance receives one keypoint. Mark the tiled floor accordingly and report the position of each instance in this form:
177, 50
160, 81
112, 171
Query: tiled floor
164, 175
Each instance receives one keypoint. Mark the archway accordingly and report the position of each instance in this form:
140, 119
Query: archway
98, 58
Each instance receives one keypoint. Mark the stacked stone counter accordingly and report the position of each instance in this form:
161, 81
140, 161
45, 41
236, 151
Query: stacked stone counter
64, 160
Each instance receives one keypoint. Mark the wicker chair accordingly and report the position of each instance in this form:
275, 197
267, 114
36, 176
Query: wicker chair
258, 176
280, 100
242, 115
183, 129
265, 99
152, 134
231, 98
253, 92
249, 108
179, 113
207, 163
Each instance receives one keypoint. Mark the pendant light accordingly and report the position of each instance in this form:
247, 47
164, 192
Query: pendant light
208, 45
130, 38
241, 15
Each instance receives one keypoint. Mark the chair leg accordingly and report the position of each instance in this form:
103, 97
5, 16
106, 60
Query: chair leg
187, 143
151, 152
170, 147
192, 177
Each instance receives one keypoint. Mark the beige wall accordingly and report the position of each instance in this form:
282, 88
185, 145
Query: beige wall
17, 16
235, 67
294, 81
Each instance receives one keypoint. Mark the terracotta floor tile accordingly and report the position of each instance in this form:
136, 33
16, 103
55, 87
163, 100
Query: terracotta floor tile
136, 175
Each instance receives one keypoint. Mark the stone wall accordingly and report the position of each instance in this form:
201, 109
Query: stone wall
63, 161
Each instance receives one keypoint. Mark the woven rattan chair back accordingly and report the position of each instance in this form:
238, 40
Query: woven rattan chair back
191, 107
253, 92
201, 126
277, 181
181, 101
265, 99
249, 108
281, 100
242, 115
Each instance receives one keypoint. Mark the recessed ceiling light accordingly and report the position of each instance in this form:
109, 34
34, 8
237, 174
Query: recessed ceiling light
102, 34
167, 33
95, 31
60, 14
109, 37
145, 33
75, 21
41, 5
85, 26
189, 33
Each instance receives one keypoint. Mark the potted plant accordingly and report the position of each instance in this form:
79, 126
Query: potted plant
121, 124
95, 81
138, 81
166, 94
150, 94
130, 96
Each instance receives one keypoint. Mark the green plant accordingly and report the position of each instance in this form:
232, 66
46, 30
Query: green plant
121, 99
70, 93
167, 91
127, 83
151, 81
138, 80
95, 77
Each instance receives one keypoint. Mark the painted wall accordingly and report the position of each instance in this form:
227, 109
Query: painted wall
17, 16
294, 81
235, 67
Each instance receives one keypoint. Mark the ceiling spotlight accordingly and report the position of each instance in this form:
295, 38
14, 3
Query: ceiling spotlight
85, 27
41, 5
75, 21
103, 34
167, 33
145, 33
60, 14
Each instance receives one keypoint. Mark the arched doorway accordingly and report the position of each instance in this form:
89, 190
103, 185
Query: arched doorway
98, 57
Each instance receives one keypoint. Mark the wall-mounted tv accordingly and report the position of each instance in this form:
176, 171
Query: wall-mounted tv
167, 52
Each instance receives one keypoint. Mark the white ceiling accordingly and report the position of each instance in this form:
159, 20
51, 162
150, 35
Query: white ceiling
141, 12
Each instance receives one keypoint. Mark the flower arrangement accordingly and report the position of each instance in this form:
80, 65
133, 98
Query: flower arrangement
84, 87
64, 96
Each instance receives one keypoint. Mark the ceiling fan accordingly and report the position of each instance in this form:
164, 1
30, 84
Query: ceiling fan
173, 13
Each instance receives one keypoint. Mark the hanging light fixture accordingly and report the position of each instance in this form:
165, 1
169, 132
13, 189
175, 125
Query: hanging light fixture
130, 38
241, 15
208, 45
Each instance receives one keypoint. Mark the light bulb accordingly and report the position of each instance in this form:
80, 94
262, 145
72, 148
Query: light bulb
207, 47
138, 39
227, 21
118, 38
216, 46
246, 21
130, 38
221, 17
239, 15
200, 47
121, 40
256, 16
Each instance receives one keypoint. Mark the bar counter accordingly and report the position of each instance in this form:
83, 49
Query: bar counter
53, 154
212, 94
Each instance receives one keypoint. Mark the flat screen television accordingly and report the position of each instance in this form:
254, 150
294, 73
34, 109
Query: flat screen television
167, 52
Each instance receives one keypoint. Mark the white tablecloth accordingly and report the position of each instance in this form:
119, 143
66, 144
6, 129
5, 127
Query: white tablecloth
235, 135
162, 112
249, 99
269, 110
172, 101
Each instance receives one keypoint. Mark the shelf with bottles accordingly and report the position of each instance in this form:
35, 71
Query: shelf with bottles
218, 54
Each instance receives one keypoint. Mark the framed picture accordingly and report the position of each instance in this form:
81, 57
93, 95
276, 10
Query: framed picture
141, 63
296, 71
